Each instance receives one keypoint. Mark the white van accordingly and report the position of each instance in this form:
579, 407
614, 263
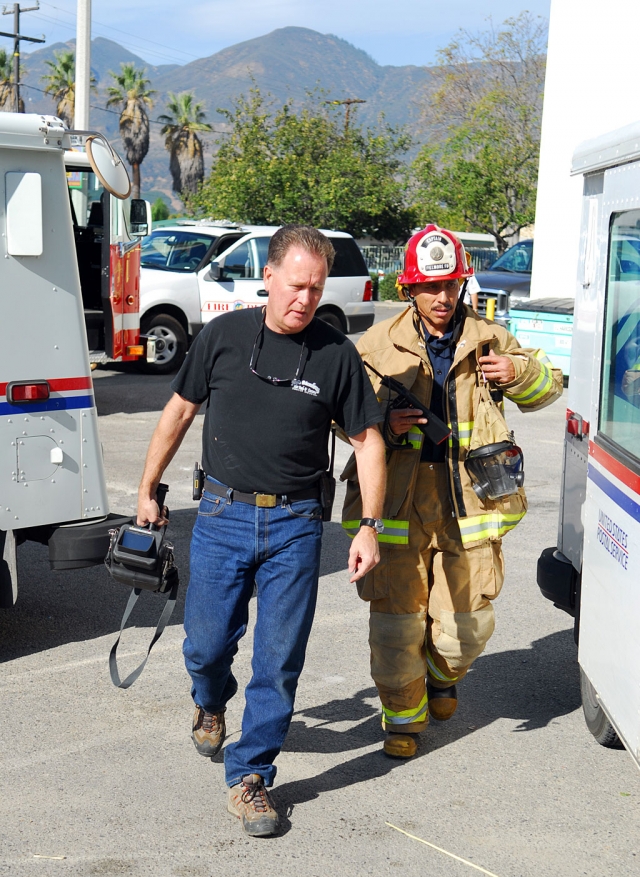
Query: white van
593, 572
193, 271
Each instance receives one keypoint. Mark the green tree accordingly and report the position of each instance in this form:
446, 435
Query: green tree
479, 172
130, 93
182, 122
286, 166
159, 210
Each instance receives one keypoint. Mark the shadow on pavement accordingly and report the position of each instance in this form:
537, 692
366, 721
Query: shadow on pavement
123, 388
55, 608
533, 686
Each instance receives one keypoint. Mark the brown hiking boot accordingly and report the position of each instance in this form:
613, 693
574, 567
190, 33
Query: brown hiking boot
250, 801
400, 745
208, 731
443, 702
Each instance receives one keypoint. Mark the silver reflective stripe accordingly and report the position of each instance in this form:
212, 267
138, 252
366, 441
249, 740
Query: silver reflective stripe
404, 720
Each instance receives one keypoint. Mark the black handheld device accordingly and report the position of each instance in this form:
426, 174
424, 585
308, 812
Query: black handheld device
198, 482
141, 558
435, 429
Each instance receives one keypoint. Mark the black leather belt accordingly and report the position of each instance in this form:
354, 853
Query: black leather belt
262, 500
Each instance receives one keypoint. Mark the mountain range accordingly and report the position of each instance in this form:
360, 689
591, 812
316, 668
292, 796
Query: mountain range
285, 64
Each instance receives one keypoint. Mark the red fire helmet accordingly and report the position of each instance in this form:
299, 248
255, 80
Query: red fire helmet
434, 254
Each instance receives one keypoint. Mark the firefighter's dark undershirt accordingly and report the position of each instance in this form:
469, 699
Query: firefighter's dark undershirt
258, 437
440, 351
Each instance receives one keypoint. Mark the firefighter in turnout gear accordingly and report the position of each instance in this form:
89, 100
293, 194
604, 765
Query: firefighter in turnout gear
441, 557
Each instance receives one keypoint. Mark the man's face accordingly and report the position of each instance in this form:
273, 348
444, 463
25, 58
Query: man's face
436, 302
295, 287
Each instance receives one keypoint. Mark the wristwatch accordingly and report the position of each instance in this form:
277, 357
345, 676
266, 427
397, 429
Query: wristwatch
375, 523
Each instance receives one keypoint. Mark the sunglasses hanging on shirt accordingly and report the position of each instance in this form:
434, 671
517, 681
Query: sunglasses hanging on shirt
277, 382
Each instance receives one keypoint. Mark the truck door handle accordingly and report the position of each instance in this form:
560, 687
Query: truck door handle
262, 292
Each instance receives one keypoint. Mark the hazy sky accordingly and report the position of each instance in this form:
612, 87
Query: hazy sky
170, 31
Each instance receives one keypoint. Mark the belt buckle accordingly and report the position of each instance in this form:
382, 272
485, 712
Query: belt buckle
266, 500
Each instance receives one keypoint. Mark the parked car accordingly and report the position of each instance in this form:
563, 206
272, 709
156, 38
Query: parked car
192, 272
510, 273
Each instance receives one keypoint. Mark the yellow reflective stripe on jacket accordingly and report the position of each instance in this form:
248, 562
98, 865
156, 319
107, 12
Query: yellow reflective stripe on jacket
435, 672
405, 717
537, 390
396, 532
415, 437
464, 431
496, 524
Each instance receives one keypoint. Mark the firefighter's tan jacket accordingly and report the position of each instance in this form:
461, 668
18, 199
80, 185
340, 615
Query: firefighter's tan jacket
394, 348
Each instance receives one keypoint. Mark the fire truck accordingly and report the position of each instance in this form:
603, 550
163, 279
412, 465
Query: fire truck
593, 572
69, 297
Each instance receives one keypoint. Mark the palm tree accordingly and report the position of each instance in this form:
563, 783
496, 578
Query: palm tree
183, 119
130, 92
7, 98
61, 84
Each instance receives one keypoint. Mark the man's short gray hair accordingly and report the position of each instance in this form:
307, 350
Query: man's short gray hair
304, 236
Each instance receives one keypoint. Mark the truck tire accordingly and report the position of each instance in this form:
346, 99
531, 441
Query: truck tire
595, 716
171, 347
332, 319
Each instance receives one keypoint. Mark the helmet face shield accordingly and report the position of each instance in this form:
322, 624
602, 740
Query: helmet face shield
496, 471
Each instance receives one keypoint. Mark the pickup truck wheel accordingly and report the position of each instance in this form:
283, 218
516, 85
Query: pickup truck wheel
171, 346
332, 319
595, 717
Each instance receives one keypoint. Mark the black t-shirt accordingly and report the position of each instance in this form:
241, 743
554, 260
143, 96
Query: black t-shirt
266, 438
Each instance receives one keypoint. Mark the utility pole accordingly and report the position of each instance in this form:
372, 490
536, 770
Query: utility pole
348, 103
17, 37
83, 66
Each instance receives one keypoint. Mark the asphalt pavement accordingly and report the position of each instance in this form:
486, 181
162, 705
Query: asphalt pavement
97, 781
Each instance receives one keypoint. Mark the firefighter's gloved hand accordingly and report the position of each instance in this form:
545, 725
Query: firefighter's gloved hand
402, 419
149, 512
498, 369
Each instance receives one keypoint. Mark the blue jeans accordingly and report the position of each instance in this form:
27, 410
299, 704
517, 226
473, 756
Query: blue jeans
234, 545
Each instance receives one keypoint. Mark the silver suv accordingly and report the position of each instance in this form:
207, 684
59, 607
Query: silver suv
191, 272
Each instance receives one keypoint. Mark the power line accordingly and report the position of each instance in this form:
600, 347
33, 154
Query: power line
135, 37
116, 113
132, 47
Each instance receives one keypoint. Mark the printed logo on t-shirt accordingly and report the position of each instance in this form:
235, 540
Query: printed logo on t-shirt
238, 305
305, 387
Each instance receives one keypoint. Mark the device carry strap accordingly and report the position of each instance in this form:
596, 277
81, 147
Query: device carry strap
167, 612
333, 450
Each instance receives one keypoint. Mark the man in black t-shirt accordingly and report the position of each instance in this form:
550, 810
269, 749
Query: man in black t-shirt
273, 380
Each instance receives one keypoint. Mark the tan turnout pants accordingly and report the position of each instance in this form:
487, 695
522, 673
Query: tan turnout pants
431, 612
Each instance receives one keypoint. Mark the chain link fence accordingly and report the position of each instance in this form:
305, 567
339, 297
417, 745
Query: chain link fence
391, 259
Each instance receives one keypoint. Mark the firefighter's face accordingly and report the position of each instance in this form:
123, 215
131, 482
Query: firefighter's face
436, 300
295, 288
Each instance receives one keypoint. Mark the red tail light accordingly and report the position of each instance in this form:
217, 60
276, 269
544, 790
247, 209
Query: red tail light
31, 391
368, 291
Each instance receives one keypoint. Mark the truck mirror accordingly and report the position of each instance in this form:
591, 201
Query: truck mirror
215, 271
138, 217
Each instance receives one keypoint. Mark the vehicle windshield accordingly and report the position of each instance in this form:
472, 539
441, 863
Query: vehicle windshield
87, 196
168, 250
516, 259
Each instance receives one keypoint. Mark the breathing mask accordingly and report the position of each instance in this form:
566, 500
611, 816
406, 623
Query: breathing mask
496, 470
